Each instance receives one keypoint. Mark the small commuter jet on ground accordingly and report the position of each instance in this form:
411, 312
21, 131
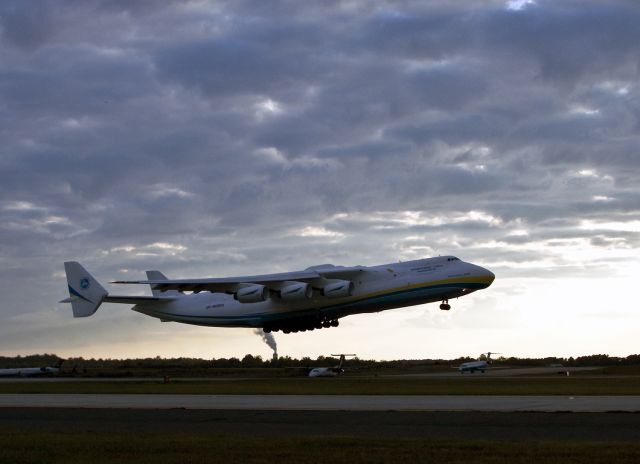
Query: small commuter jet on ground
291, 302
329, 371
478, 365
31, 371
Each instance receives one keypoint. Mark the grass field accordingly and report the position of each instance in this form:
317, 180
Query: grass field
350, 386
26, 447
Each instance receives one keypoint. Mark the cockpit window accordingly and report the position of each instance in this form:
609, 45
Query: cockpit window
453, 259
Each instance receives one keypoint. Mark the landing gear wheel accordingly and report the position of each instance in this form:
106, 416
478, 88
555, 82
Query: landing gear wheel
445, 306
335, 323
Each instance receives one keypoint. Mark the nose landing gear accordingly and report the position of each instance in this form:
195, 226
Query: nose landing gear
445, 306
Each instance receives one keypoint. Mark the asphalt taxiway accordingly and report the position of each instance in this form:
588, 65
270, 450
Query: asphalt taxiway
556, 403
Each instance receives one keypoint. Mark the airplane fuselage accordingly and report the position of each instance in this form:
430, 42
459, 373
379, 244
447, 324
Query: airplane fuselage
28, 371
473, 366
325, 372
375, 288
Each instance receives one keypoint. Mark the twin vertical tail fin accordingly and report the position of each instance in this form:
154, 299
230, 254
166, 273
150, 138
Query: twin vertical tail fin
85, 292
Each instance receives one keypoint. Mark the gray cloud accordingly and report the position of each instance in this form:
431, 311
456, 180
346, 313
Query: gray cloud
245, 137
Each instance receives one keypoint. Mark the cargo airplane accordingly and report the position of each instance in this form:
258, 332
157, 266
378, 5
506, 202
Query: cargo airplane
291, 302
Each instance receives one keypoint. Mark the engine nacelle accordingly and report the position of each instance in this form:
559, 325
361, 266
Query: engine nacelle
252, 294
296, 291
340, 289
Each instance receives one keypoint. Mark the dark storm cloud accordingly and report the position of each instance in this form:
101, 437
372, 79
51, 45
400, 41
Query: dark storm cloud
29, 27
568, 45
208, 138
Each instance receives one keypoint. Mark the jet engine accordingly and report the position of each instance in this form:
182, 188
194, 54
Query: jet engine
339, 289
296, 291
252, 293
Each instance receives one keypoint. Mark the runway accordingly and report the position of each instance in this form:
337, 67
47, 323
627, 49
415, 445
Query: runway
328, 402
527, 426
452, 374
502, 372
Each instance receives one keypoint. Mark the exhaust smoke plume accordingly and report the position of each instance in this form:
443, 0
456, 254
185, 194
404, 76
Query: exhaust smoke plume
269, 339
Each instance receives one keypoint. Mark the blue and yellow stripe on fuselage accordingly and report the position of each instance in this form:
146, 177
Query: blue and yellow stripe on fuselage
409, 295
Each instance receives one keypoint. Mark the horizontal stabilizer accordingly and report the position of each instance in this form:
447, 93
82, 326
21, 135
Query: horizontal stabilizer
137, 300
86, 294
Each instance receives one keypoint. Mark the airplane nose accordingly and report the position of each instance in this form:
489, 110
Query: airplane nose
484, 276
487, 276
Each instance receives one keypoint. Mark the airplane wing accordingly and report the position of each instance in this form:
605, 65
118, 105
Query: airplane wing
317, 277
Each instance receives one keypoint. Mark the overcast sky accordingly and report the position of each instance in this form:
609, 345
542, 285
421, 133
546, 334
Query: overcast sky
210, 139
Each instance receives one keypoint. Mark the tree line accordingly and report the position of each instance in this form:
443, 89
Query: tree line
251, 361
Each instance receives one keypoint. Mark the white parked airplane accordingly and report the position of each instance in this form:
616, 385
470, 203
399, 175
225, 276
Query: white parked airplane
31, 371
478, 365
329, 371
294, 301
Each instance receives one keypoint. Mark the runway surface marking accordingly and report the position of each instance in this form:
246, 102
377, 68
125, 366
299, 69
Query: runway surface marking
329, 402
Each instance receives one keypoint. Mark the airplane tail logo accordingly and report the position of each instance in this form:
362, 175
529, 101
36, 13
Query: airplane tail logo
85, 292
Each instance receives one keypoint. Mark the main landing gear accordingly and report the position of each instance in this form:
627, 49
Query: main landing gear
301, 325
445, 306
